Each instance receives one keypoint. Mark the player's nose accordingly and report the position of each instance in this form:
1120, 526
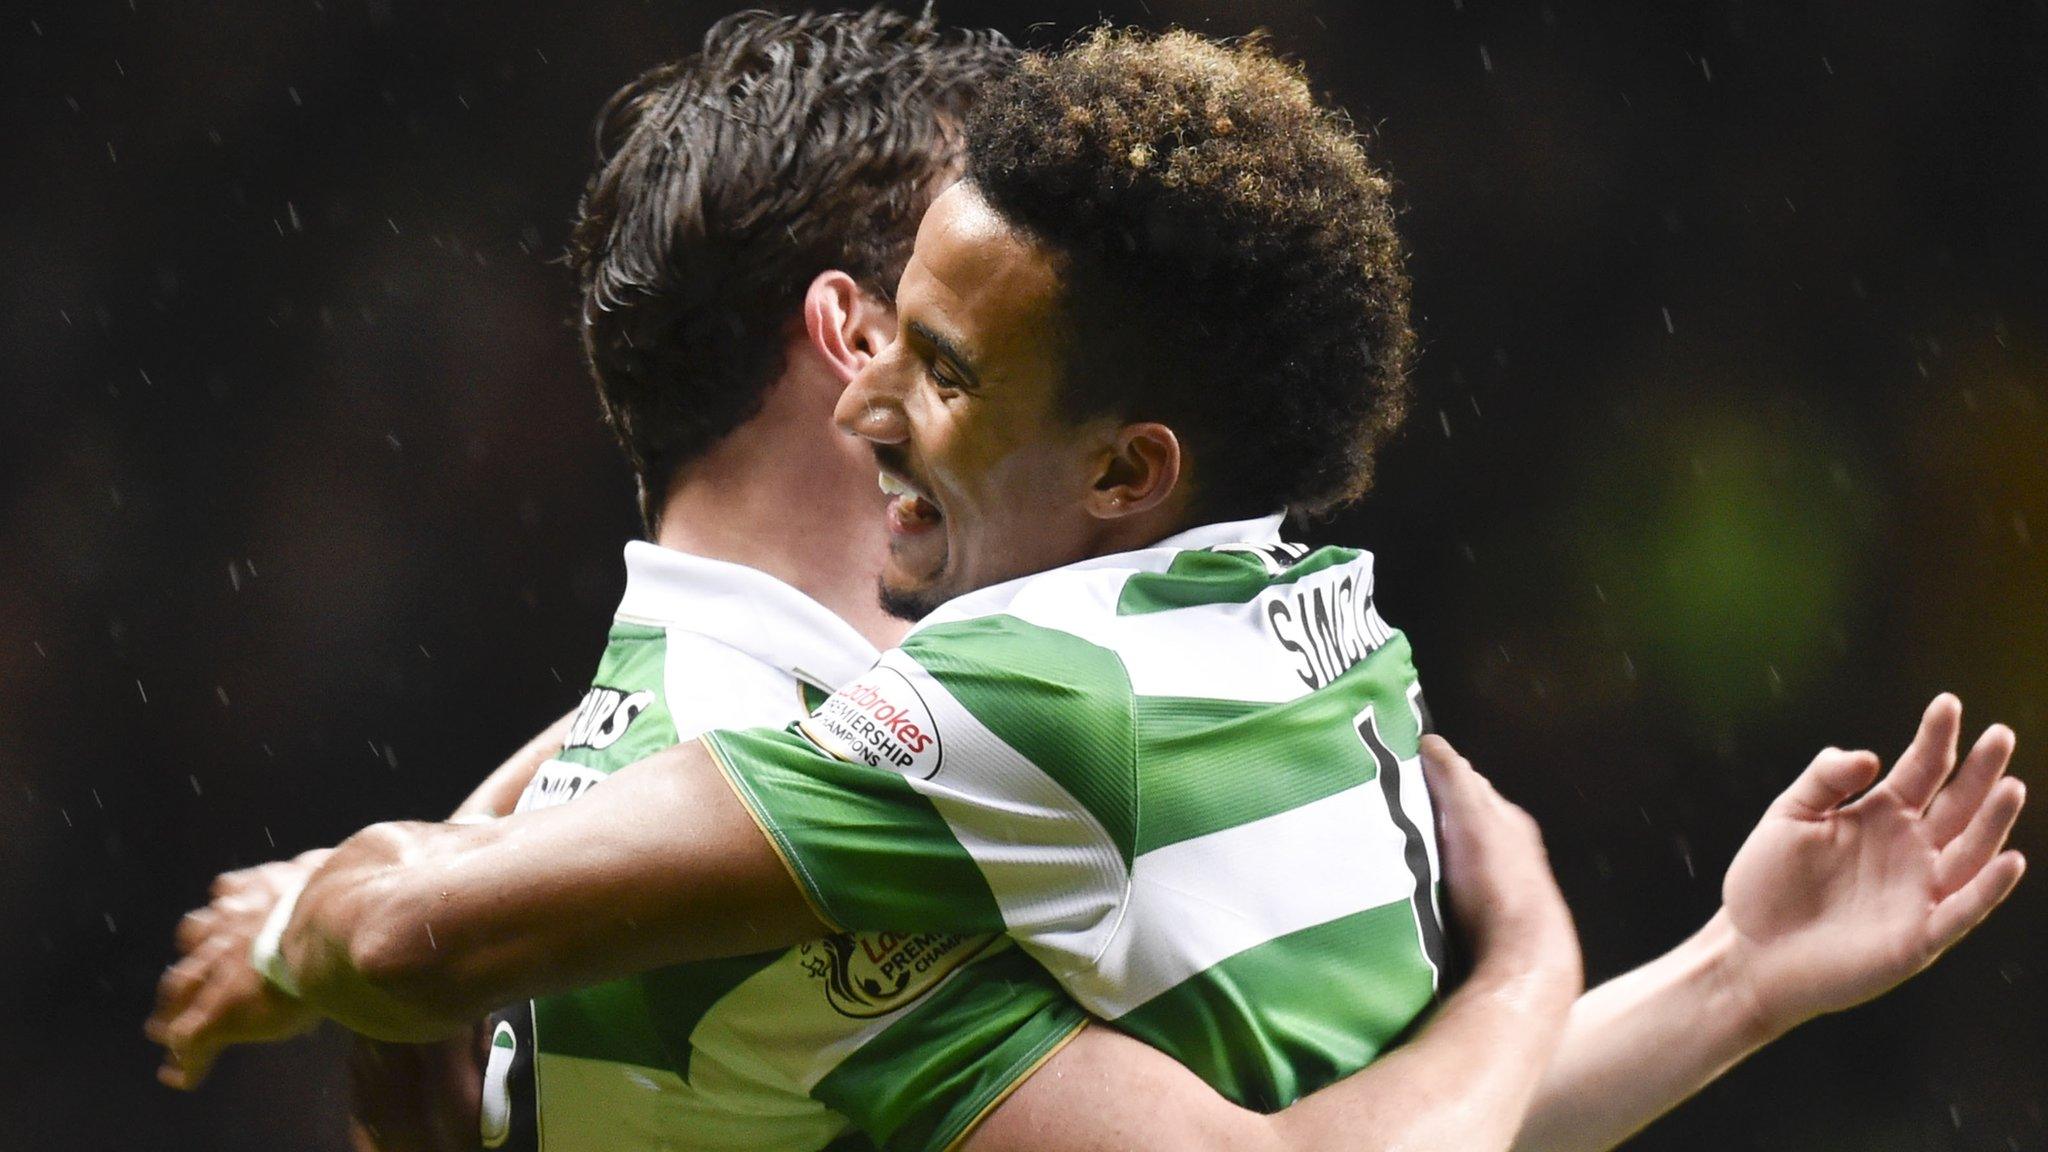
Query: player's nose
870, 407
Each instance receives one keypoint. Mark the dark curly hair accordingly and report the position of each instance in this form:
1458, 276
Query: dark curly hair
788, 146
1227, 256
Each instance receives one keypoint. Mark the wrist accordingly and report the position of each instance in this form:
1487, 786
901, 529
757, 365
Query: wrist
266, 951
1543, 964
1718, 955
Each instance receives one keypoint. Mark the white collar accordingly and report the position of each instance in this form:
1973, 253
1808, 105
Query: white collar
744, 608
1258, 532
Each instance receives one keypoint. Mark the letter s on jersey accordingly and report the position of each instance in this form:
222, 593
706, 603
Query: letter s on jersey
604, 716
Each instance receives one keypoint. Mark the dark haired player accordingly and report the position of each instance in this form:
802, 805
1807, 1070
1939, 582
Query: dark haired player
737, 251
1021, 762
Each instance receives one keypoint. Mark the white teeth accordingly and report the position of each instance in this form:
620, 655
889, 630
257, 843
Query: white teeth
891, 486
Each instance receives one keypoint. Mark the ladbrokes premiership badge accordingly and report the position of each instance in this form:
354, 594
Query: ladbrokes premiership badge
879, 720
875, 973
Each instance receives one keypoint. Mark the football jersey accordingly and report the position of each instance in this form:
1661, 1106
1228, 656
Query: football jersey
1183, 778
894, 1039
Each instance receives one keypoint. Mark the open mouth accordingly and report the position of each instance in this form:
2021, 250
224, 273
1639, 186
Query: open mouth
910, 511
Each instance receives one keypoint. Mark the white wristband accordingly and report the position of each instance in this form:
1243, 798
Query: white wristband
264, 955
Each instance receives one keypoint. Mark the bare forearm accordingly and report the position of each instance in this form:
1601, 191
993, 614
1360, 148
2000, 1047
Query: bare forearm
347, 946
1642, 1043
1462, 1084
410, 931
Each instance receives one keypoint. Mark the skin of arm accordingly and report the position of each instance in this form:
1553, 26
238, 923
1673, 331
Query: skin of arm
424, 1097
1462, 1083
413, 931
215, 939
1834, 899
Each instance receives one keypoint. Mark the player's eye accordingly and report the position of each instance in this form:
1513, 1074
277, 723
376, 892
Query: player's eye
941, 380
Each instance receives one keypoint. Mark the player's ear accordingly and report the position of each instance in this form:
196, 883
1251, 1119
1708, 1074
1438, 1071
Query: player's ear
845, 326
1140, 471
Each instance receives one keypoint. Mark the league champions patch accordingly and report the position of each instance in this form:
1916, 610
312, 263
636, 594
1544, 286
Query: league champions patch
881, 721
875, 973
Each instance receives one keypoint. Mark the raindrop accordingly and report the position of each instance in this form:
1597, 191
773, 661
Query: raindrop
1668, 326
194, 780
141, 691
1485, 58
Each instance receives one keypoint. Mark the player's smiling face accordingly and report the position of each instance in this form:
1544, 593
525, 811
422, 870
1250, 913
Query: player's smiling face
990, 479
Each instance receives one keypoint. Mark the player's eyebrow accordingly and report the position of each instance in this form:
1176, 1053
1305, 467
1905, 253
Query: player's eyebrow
950, 351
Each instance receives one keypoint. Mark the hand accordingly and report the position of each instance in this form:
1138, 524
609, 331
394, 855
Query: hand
1833, 903
212, 997
1497, 875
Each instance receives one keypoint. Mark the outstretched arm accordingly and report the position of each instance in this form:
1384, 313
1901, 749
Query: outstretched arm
1831, 902
414, 931
409, 931
1461, 1084
211, 991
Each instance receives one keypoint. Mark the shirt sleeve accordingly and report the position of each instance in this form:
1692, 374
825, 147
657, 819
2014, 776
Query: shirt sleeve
931, 1076
979, 778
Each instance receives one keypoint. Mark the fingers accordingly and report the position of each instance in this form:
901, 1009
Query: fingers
194, 927
190, 1049
1931, 757
1978, 842
1959, 801
1833, 777
1965, 909
177, 987
1447, 772
230, 883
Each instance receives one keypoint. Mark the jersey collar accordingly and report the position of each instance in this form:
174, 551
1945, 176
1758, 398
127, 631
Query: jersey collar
744, 608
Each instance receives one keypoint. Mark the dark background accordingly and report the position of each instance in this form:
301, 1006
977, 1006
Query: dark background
1731, 444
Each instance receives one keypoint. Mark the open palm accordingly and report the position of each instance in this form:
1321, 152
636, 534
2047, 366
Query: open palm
1835, 901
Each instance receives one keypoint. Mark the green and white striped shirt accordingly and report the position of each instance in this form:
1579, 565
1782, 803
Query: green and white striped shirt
894, 1039
1185, 779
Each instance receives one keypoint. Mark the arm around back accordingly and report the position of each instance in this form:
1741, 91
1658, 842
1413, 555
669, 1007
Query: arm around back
412, 931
